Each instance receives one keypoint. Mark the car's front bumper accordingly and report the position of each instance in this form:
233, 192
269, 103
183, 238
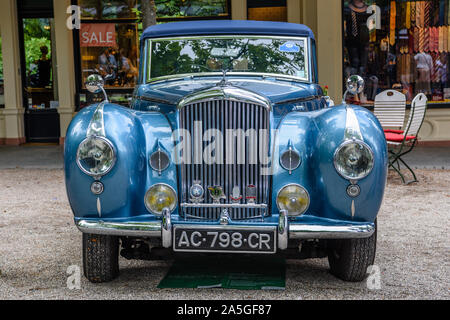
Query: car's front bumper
286, 229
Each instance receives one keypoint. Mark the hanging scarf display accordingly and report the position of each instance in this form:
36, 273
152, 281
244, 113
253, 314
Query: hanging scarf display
413, 13
435, 35
426, 14
419, 14
411, 40
408, 15
426, 39
441, 39
445, 38
421, 39
416, 39
392, 23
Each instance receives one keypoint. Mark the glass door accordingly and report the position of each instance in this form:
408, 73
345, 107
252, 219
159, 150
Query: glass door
38, 60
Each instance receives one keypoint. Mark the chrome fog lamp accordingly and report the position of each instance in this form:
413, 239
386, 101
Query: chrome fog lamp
353, 160
160, 196
294, 199
96, 156
159, 161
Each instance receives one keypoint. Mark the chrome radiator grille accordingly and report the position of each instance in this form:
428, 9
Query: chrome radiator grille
223, 115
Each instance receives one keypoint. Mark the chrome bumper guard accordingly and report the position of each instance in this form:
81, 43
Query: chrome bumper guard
163, 229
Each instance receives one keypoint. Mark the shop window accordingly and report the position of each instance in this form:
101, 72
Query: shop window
267, 10
112, 9
111, 50
402, 45
182, 9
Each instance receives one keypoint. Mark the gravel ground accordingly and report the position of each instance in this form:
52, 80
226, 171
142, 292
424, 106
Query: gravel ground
39, 241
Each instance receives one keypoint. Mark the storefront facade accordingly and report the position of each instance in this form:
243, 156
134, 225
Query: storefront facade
392, 44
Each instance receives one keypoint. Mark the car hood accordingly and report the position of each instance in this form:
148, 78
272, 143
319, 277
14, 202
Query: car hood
277, 91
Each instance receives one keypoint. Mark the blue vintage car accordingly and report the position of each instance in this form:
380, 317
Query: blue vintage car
228, 146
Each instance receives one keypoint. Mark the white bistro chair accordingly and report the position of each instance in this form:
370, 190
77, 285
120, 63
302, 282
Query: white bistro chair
401, 142
389, 108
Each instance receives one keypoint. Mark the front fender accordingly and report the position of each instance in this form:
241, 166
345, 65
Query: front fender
133, 135
317, 135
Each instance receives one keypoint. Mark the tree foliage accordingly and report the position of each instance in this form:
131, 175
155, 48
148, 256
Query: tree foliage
36, 34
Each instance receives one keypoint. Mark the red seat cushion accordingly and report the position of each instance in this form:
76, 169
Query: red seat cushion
394, 131
395, 137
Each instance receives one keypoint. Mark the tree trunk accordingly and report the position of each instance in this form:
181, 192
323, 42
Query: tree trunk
148, 13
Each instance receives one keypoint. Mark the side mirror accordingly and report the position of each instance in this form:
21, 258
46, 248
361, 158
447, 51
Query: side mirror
95, 84
355, 85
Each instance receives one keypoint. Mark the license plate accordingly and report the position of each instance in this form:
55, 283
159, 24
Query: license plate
224, 239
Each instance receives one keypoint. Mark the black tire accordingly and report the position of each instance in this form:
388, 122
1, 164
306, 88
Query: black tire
350, 258
100, 257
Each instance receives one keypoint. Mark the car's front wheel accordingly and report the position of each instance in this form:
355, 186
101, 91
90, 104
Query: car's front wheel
100, 257
350, 258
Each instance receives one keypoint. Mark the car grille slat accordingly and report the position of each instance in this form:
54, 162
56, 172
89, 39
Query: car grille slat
223, 115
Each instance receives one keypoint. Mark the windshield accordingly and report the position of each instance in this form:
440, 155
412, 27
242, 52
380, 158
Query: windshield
212, 55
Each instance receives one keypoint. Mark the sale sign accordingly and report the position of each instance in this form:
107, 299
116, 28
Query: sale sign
98, 35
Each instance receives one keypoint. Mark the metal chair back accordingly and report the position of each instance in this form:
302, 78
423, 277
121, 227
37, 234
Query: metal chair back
389, 108
417, 115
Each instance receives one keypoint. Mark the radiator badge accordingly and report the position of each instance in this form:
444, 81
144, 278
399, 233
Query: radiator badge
251, 194
216, 193
236, 197
196, 191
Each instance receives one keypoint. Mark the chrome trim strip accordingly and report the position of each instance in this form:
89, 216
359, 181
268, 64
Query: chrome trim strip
302, 231
166, 230
138, 229
296, 231
306, 53
97, 125
228, 92
283, 227
352, 129
225, 205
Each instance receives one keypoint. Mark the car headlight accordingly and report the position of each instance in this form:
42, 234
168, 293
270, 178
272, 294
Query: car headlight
294, 199
353, 160
96, 156
160, 196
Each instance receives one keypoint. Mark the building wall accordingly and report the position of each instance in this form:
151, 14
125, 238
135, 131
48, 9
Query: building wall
12, 116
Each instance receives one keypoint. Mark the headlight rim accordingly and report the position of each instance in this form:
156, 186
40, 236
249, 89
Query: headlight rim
343, 145
113, 163
307, 194
165, 185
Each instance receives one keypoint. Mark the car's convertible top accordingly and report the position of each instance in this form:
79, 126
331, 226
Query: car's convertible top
227, 27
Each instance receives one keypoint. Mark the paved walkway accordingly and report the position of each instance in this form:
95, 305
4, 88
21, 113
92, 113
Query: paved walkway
31, 157
51, 157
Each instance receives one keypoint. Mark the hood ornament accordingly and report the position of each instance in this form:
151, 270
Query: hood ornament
224, 81
217, 194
